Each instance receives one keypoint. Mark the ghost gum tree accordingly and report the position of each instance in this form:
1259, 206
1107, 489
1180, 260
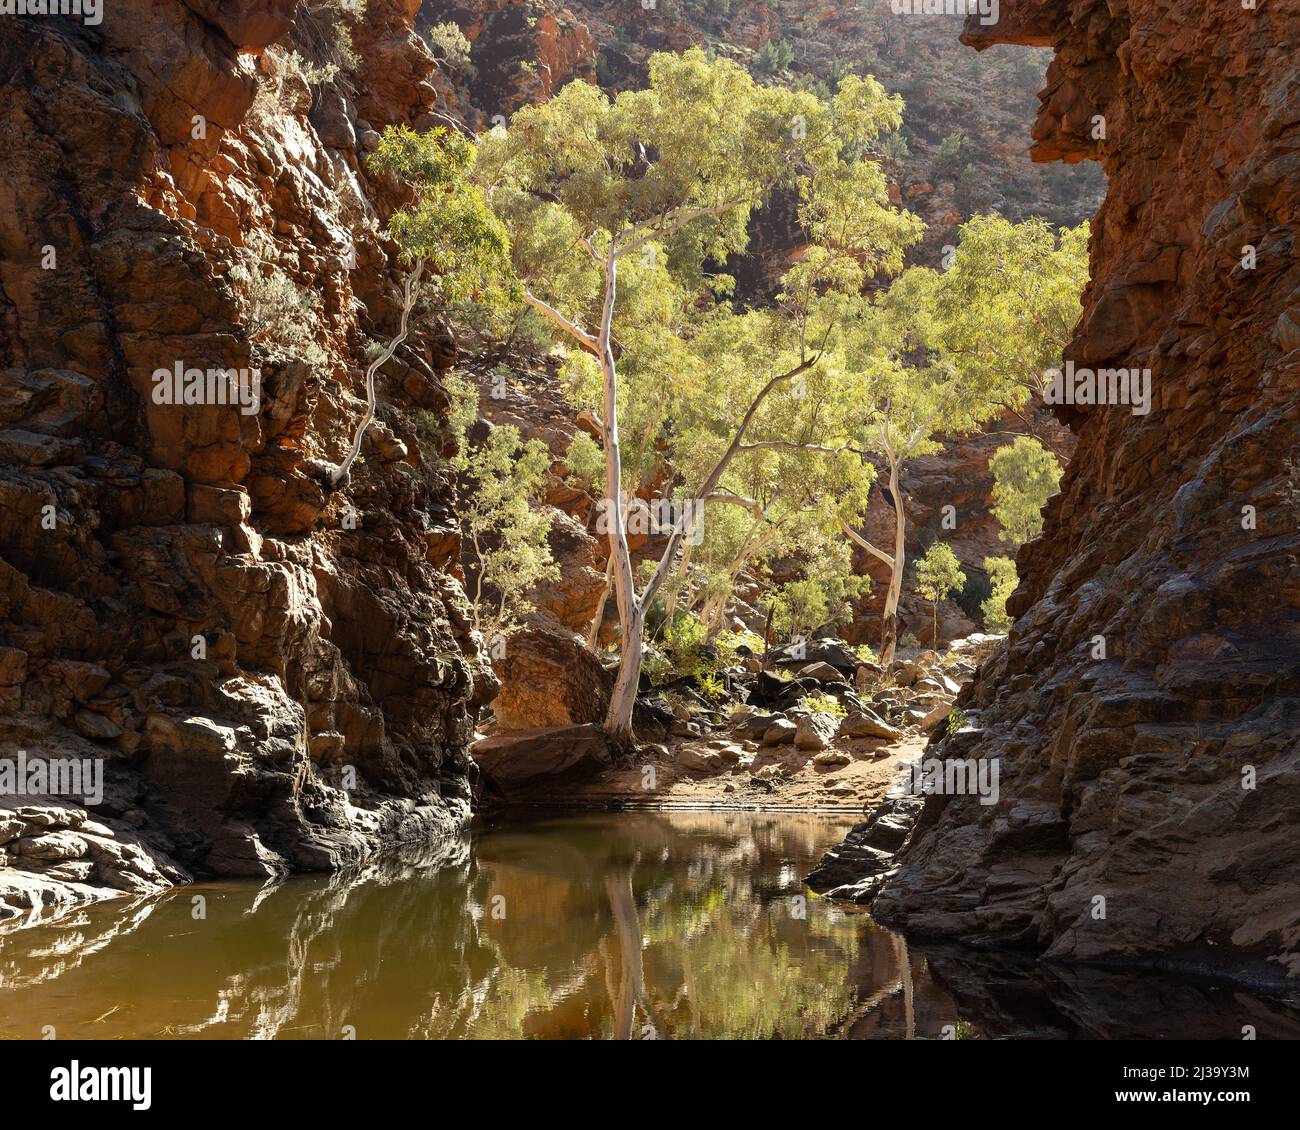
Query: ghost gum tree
1006, 306
944, 352
452, 247
665, 180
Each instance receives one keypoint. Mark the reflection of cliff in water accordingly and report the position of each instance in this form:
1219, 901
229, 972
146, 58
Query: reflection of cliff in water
627, 925
1012, 994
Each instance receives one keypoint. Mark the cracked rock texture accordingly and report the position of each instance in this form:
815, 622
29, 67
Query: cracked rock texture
1174, 539
276, 676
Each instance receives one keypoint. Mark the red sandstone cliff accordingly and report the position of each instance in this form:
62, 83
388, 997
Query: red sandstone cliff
1165, 777
200, 612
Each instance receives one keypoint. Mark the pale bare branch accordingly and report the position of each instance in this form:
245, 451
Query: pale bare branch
860, 540
586, 340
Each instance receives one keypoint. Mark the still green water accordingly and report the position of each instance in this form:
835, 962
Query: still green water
603, 925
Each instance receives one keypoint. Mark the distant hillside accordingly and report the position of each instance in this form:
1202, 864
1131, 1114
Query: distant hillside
964, 144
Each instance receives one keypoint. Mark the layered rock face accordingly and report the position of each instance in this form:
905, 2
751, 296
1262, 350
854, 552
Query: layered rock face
1145, 711
276, 676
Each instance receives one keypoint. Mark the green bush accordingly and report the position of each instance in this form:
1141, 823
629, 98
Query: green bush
280, 313
585, 461
823, 703
1002, 583
773, 57
451, 46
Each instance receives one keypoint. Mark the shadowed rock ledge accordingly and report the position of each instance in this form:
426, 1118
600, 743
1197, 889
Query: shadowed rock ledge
1161, 774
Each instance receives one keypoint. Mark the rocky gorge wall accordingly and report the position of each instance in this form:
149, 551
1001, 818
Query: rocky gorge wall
275, 676
1145, 711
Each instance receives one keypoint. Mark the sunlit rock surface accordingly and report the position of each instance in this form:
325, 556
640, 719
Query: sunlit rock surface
180, 593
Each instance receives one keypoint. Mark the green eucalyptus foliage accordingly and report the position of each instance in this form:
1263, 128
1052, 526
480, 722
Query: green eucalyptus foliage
1007, 305
499, 521
448, 226
1002, 577
1025, 476
938, 574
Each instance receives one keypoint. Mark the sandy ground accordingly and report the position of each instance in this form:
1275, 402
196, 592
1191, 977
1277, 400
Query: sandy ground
753, 776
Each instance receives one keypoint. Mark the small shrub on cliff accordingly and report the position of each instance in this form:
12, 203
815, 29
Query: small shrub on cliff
310, 74
947, 158
329, 23
894, 147
280, 313
451, 47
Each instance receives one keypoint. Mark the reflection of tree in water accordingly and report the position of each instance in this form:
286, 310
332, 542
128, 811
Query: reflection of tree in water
615, 926
698, 933
620, 926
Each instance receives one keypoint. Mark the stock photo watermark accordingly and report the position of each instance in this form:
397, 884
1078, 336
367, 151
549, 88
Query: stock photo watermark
78, 777
987, 11
954, 776
241, 388
1102, 387
659, 516
90, 12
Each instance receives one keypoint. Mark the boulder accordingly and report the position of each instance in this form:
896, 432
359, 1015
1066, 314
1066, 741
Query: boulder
866, 675
652, 714
549, 677
822, 672
729, 752
699, 760
571, 599
49, 846
814, 731
834, 652
768, 687
755, 725
866, 724
510, 760
779, 732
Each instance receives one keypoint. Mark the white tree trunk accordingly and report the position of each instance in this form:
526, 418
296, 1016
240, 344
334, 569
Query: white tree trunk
889, 620
593, 635
622, 701
410, 292
631, 617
